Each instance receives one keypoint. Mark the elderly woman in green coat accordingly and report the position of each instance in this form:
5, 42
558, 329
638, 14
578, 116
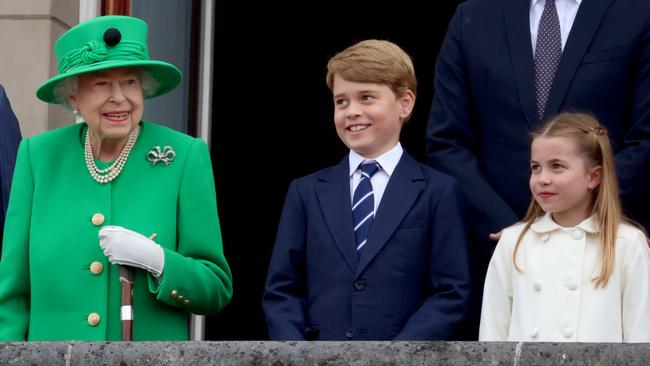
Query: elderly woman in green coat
89, 197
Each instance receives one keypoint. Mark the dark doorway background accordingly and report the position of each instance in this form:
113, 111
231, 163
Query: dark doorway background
272, 118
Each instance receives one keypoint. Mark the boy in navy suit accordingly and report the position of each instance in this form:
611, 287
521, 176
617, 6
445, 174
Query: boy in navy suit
373, 248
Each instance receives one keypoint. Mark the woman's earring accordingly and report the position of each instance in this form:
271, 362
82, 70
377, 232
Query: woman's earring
77, 116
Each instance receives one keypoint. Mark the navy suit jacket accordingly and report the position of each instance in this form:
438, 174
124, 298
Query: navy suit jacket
9, 140
484, 103
412, 281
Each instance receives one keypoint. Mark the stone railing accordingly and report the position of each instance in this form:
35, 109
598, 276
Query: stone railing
321, 353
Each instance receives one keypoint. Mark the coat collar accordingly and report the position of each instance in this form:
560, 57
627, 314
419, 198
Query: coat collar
333, 194
545, 224
584, 28
521, 52
403, 188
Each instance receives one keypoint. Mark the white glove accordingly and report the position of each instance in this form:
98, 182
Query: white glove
126, 247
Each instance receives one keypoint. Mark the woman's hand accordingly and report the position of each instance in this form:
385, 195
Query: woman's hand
497, 236
126, 247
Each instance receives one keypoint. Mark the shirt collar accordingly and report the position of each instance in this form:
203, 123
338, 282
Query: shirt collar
545, 224
387, 160
533, 2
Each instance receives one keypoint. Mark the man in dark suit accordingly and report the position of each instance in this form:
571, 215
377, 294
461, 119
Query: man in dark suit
489, 94
341, 272
9, 140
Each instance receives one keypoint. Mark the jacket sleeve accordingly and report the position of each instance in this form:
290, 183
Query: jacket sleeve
635, 283
496, 311
197, 270
633, 156
452, 136
448, 277
9, 140
14, 267
285, 293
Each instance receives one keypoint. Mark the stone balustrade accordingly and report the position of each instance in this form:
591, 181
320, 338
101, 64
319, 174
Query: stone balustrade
321, 353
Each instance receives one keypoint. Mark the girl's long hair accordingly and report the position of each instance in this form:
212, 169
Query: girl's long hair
592, 144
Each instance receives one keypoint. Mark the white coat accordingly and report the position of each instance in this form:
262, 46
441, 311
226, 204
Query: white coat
554, 298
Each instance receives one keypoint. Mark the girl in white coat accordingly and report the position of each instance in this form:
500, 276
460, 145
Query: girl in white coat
575, 269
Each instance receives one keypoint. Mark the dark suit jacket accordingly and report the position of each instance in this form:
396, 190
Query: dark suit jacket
9, 140
484, 103
411, 281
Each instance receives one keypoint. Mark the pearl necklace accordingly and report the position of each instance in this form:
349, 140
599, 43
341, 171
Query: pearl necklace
109, 174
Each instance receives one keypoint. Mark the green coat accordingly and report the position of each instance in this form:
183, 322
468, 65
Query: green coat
47, 288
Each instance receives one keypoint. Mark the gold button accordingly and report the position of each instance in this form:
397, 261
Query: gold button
96, 268
174, 293
181, 298
93, 319
98, 219
186, 302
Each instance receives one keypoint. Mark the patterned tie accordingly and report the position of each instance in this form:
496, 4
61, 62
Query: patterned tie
363, 204
548, 51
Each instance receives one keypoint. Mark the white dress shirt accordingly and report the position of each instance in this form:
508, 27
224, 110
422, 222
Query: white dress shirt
388, 161
566, 12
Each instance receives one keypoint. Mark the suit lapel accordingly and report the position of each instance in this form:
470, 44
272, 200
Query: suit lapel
586, 24
333, 194
516, 14
403, 188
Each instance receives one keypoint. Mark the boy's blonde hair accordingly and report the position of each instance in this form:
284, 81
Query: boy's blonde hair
592, 144
374, 61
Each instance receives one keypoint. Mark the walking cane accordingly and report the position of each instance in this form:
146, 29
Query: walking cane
126, 308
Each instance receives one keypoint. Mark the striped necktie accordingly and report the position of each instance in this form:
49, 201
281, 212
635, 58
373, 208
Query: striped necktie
548, 51
363, 204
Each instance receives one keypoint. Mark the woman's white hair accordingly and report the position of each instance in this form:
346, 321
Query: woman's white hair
70, 86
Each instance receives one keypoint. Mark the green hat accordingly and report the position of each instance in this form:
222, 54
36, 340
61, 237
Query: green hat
104, 43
